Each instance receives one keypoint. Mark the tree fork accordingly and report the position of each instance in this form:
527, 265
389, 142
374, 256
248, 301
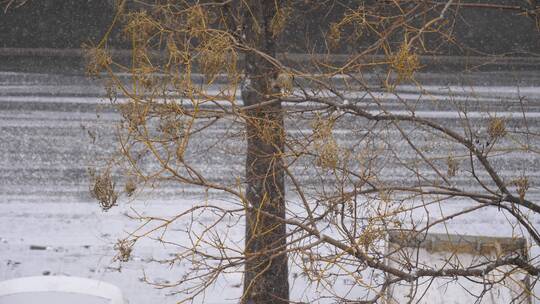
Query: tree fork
266, 274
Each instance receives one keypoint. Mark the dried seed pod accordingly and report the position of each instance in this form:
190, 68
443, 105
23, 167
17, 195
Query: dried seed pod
124, 248
497, 127
103, 189
327, 155
324, 143
370, 236
134, 114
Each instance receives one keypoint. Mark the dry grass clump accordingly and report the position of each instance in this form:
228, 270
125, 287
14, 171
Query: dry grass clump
405, 62
102, 188
496, 127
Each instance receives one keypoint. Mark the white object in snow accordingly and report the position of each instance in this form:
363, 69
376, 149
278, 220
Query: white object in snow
59, 289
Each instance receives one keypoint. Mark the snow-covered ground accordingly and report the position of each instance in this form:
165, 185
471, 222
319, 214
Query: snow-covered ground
53, 127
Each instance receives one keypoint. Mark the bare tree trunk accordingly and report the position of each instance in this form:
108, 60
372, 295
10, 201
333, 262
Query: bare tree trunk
266, 273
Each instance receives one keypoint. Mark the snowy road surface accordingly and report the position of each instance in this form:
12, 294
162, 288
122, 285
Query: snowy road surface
49, 224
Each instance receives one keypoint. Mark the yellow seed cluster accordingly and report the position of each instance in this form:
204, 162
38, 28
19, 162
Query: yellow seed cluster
334, 35
352, 18
139, 26
522, 185
496, 127
405, 63
134, 114
216, 55
97, 60
325, 144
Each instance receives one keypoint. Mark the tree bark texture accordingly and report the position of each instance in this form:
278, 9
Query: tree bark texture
266, 272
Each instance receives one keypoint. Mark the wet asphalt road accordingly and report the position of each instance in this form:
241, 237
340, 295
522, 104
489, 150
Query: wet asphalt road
54, 127
45, 150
